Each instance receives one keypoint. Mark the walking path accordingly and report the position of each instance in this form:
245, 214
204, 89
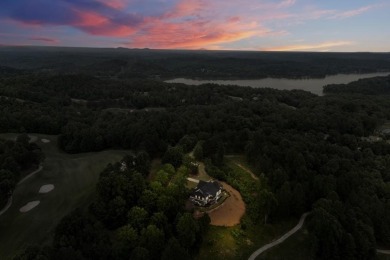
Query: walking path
192, 180
288, 234
247, 170
9, 203
279, 240
31, 174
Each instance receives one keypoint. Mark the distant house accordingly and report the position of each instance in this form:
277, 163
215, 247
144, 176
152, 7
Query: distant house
206, 193
123, 166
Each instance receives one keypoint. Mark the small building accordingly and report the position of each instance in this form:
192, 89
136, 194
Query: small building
206, 193
123, 166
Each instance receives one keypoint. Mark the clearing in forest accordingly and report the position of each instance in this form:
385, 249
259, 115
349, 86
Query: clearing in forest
231, 211
74, 177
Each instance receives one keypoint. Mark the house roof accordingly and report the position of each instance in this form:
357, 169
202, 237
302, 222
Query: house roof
205, 188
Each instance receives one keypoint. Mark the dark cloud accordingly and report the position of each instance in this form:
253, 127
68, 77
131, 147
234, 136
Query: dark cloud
42, 12
93, 17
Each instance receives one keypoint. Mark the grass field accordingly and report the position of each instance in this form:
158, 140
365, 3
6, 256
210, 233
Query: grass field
74, 178
234, 243
295, 247
234, 161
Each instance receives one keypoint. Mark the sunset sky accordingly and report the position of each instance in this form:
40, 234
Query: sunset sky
280, 25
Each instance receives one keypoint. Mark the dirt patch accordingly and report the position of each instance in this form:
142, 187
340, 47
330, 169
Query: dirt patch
202, 174
29, 206
46, 188
45, 141
230, 212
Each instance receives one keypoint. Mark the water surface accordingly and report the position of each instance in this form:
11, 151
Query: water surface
313, 85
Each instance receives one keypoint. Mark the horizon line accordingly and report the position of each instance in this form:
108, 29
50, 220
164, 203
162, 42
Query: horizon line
189, 50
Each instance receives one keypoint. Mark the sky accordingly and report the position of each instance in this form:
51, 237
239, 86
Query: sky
263, 25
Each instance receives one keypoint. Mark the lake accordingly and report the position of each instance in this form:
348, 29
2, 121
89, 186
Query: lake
312, 85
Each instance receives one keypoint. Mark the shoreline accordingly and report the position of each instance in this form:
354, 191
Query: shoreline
173, 79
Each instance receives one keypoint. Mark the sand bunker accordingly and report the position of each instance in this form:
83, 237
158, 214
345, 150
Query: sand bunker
46, 188
29, 206
45, 141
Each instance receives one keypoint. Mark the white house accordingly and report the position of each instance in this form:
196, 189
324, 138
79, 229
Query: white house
206, 193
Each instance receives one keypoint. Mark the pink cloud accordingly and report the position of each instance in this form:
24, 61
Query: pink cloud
190, 24
286, 3
195, 33
187, 8
116, 4
195, 24
309, 47
44, 39
314, 14
85, 18
234, 19
97, 24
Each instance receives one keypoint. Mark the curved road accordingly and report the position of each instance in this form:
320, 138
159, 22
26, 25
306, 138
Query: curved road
279, 240
9, 203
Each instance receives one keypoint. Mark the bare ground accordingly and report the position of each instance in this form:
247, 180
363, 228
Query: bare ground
230, 212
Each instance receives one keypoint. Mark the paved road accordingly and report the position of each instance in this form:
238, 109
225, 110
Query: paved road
279, 240
9, 203
288, 234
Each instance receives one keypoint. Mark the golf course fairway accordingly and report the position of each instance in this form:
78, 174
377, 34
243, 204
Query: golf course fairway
74, 177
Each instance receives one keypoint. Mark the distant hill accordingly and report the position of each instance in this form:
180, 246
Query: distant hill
203, 64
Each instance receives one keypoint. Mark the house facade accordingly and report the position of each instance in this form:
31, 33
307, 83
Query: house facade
206, 193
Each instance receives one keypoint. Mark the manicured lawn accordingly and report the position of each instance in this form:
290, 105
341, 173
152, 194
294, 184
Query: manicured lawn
191, 185
154, 168
295, 247
74, 178
235, 161
202, 174
219, 243
234, 243
383, 257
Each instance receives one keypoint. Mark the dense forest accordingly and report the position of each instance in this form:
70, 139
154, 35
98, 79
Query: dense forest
311, 151
371, 86
147, 63
130, 218
16, 158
